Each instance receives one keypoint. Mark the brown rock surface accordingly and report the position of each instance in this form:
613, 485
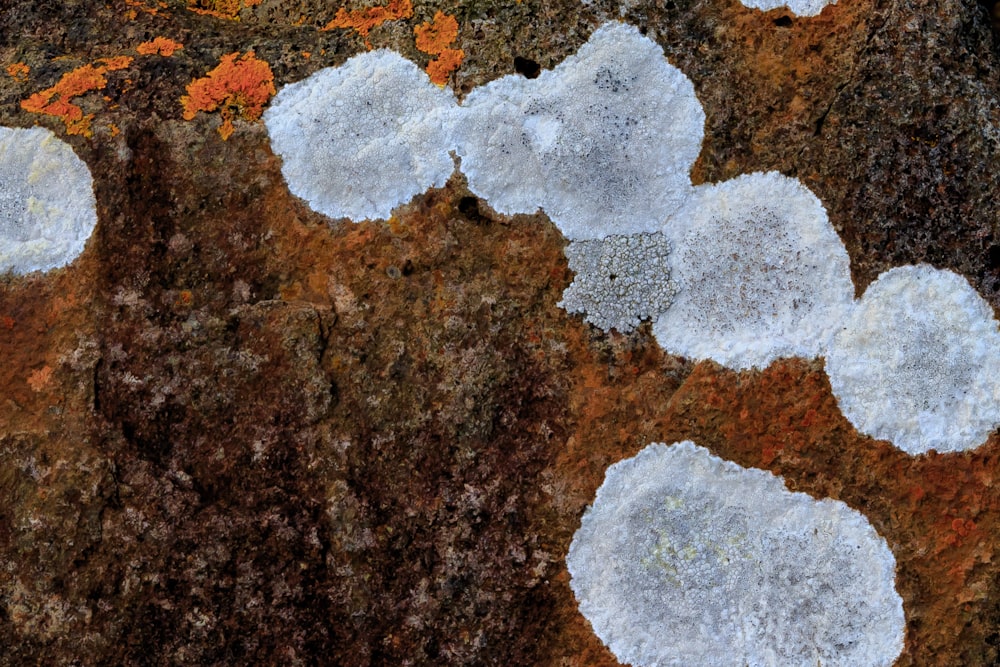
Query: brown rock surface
237, 432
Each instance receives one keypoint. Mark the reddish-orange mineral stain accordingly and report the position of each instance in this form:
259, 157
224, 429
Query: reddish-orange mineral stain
363, 20
57, 100
159, 46
435, 37
240, 87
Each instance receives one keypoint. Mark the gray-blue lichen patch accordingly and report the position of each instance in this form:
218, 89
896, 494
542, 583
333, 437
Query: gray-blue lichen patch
918, 362
360, 139
760, 271
620, 280
688, 560
47, 205
603, 143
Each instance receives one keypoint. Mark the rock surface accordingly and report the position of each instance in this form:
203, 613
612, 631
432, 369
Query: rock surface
234, 431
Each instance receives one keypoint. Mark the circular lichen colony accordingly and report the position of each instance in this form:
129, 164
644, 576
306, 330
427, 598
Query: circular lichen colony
47, 205
760, 271
360, 139
620, 280
918, 362
603, 143
686, 559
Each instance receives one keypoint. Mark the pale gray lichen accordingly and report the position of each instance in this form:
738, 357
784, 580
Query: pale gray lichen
918, 362
360, 139
47, 205
687, 560
603, 143
798, 7
620, 280
760, 271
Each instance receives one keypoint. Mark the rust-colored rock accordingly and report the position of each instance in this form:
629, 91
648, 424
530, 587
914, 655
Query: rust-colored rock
236, 432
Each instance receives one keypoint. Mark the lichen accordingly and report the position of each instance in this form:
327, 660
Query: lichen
435, 37
360, 139
47, 206
162, 46
18, 71
57, 100
918, 362
761, 274
686, 559
364, 20
238, 86
620, 280
221, 9
603, 143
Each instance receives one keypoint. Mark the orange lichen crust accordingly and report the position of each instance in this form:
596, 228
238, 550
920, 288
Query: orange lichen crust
221, 9
363, 20
236, 86
57, 100
435, 37
18, 71
159, 46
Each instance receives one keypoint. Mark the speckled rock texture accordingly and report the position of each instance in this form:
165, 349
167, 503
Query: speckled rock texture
236, 432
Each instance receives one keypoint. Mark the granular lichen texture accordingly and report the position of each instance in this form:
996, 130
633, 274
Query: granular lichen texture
760, 271
686, 559
238, 85
620, 280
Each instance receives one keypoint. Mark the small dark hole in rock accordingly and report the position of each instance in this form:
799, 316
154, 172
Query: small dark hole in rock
994, 255
783, 21
469, 207
612, 277
526, 67
407, 268
644, 29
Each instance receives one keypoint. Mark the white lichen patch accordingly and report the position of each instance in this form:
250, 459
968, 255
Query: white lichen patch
798, 7
360, 139
620, 280
688, 560
47, 205
603, 143
760, 271
918, 362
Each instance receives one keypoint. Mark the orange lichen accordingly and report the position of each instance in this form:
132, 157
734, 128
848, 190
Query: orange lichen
221, 9
240, 87
19, 71
137, 6
435, 37
57, 100
441, 67
363, 20
159, 46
